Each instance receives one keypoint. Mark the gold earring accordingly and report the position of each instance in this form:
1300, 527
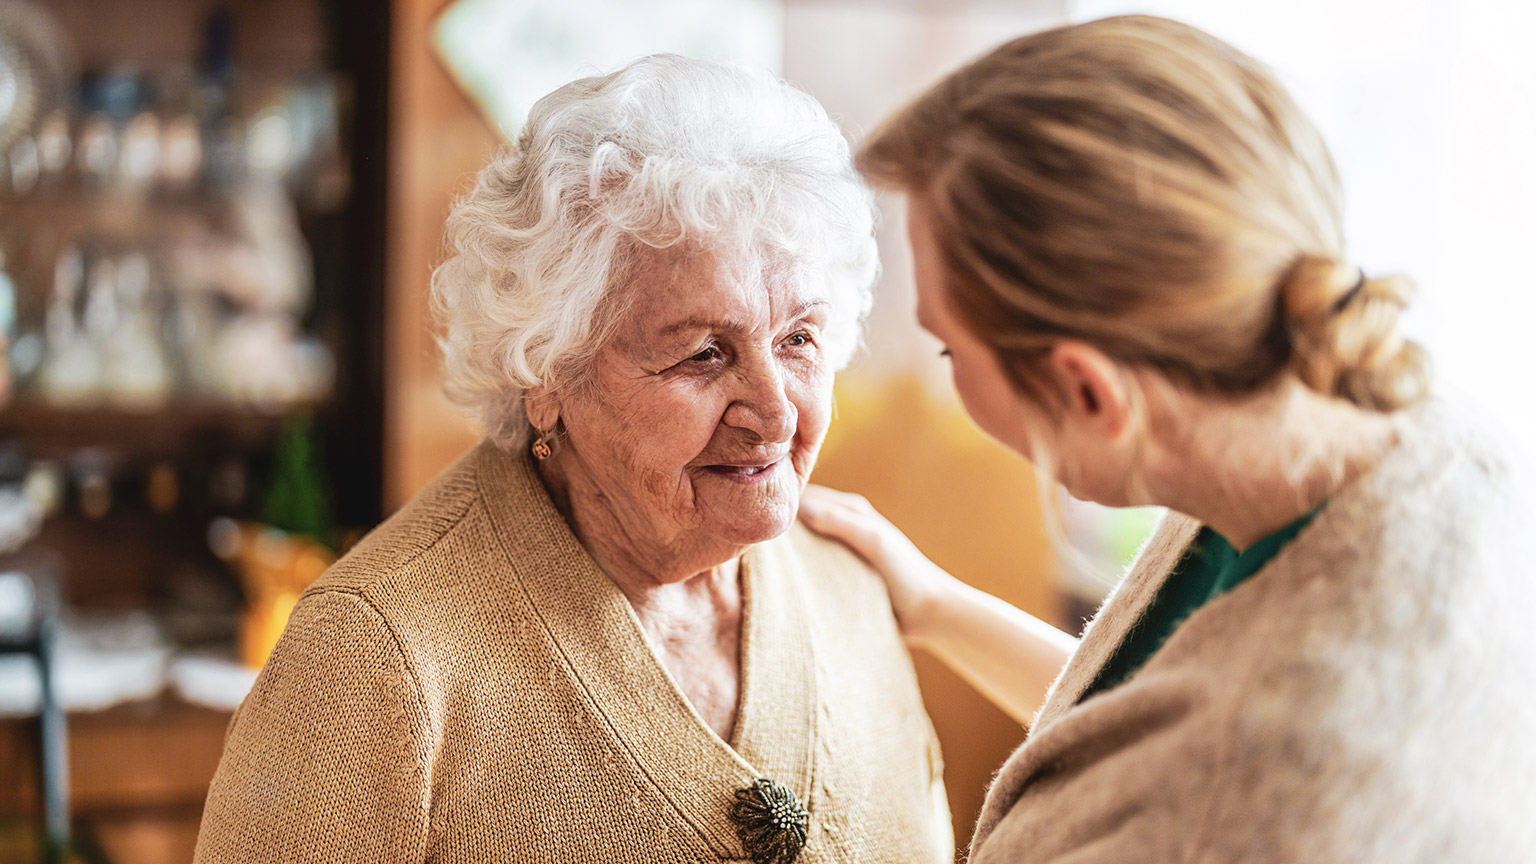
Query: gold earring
541, 449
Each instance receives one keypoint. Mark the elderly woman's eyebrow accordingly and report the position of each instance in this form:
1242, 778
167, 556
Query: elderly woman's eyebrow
727, 324
704, 322
808, 306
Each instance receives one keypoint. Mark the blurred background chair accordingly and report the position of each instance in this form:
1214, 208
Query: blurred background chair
29, 627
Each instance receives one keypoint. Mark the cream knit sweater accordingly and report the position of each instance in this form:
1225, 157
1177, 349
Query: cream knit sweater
1368, 697
467, 686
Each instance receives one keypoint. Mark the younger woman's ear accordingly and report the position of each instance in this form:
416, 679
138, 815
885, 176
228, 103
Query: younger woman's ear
1096, 396
543, 408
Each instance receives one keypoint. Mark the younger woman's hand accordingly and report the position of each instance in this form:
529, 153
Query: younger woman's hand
914, 583
1007, 654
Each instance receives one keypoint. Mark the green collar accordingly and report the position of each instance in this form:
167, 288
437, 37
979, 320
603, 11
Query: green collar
1209, 568
1233, 568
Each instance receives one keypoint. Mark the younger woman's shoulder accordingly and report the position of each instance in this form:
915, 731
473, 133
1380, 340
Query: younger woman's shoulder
1460, 480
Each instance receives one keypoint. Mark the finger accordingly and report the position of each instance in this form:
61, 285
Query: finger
814, 510
824, 497
824, 494
824, 513
846, 526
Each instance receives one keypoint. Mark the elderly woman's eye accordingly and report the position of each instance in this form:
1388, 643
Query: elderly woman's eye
798, 340
706, 355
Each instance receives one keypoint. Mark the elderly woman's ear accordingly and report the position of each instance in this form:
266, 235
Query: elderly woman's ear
543, 408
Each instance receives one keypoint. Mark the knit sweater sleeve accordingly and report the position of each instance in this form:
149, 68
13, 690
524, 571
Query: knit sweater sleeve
326, 760
1117, 784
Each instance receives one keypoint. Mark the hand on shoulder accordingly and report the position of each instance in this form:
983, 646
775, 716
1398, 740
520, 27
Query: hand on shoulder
914, 583
1009, 655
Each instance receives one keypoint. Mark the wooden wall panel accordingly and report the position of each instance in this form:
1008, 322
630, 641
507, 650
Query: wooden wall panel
439, 140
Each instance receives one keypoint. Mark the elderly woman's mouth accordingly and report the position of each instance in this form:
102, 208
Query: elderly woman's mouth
746, 472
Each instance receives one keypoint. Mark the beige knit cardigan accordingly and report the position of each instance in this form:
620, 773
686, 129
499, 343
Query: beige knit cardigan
1368, 697
467, 686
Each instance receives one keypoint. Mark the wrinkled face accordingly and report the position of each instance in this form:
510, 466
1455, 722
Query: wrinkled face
706, 409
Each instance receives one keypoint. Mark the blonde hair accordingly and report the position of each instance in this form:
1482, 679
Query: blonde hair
1140, 185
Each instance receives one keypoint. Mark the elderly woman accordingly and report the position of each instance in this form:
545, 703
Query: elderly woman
1129, 239
598, 636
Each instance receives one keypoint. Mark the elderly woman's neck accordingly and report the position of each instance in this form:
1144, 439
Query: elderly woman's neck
688, 601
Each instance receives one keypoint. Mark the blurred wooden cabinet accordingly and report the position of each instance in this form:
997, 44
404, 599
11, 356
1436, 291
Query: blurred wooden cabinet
284, 108
215, 189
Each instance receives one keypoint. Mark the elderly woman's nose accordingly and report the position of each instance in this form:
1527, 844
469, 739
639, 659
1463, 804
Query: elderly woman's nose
762, 405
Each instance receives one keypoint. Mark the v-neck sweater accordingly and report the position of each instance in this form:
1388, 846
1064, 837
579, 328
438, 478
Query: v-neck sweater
1210, 567
468, 686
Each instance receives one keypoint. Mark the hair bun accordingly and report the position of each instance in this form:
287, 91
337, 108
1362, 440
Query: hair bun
1344, 335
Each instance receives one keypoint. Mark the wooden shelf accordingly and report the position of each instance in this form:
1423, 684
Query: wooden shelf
51, 431
120, 218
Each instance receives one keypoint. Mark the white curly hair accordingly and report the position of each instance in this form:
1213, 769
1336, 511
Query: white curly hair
664, 151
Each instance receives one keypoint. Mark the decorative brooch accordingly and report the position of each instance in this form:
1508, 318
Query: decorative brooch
770, 822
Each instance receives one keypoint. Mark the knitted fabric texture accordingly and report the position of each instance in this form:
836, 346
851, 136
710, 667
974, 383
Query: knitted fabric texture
1367, 697
467, 686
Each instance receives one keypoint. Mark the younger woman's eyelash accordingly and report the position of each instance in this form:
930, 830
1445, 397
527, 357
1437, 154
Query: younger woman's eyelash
945, 354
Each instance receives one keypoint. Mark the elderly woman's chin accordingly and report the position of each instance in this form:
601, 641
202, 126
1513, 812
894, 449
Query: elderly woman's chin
746, 504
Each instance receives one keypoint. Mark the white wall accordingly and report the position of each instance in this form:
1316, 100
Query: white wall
1429, 107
